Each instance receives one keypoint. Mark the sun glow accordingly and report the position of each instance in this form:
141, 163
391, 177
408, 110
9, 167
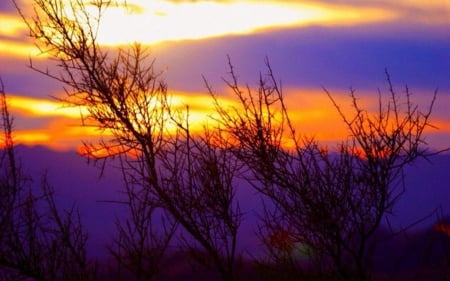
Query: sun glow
43, 107
158, 21
12, 28
61, 126
19, 49
11, 25
311, 112
58, 135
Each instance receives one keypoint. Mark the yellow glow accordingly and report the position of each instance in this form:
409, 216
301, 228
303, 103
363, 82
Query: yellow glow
18, 49
59, 133
31, 137
11, 25
43, 107
310, 110
14, 27
158, 21
46, 137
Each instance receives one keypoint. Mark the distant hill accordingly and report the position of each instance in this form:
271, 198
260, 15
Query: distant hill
77, 182
427, 189
415, 255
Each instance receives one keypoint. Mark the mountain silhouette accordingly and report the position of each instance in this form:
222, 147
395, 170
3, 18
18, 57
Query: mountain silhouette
421, 246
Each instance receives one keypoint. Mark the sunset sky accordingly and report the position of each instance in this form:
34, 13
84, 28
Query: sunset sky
335, 44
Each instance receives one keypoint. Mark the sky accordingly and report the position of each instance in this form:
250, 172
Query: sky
311, 45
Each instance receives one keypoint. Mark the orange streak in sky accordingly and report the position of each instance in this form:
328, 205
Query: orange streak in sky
310, 111
43, 107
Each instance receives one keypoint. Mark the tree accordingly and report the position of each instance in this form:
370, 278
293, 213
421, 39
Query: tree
324, 204
141, 243
37, 239
202, 182
126, 98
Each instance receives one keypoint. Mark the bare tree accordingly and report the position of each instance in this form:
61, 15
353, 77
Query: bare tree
37, 240
202, 182
145, 232
330, 203
126, 98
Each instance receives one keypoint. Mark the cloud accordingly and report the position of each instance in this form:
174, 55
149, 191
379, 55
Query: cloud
12, 48
432, 10
47, 122
42, 107
337, 58
59, 134
12, 26
14, 36
159, 21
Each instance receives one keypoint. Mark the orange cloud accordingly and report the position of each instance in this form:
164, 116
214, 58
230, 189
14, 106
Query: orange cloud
59, 134
61, 125
28, 106
315, 115
13, 32
19, 49
311, 112
12, 25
